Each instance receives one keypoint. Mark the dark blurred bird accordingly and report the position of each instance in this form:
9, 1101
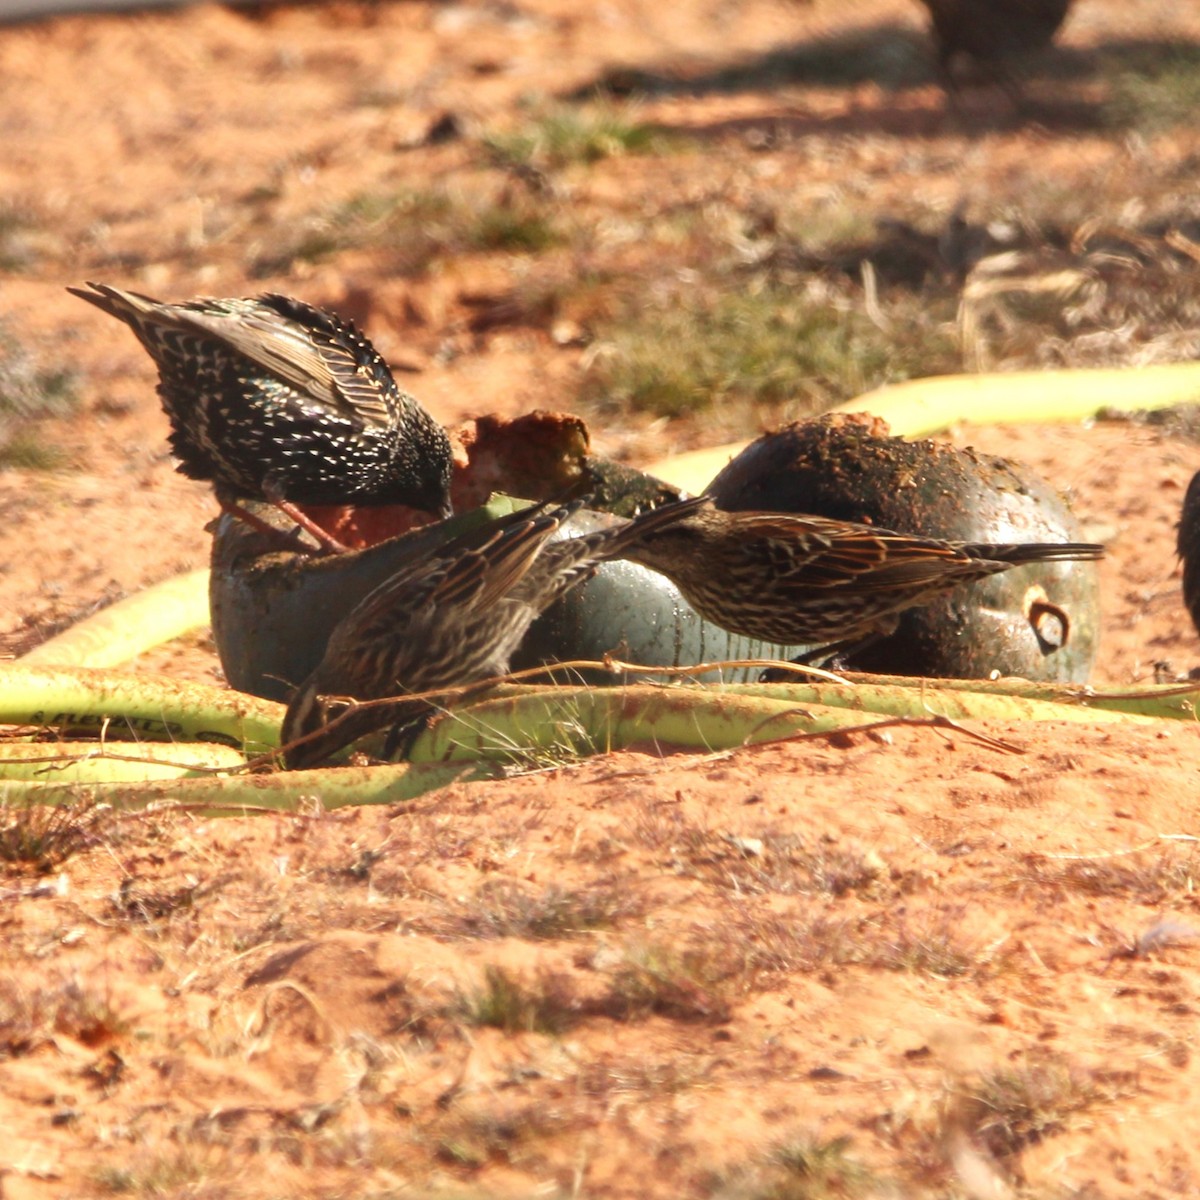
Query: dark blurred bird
992, 32
792, 579
446, 619
1187, 545
273, 399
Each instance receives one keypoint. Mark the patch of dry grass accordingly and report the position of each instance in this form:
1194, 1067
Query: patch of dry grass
570, 134
694, 983
514, 1005
30, 391
500, 1134
186, 1171
800, 349
20, 230
1148, 877
806, 1167
928, 944
41, 837
410, 230
606, 1078
147, 906
1154, 91
32, 1014
504, 908
1014, 1107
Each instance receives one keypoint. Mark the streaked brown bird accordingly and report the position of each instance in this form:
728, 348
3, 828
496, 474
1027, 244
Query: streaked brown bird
1187, 545
992, 32
803, 580
447, 619
273, 399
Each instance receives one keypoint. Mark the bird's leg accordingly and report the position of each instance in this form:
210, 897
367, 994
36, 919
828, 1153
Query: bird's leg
830, 658
835, 654
404, 732
290, 540
326, 541
401, 736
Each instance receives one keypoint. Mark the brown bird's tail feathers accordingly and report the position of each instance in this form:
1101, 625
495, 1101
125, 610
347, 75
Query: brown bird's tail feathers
1017, 553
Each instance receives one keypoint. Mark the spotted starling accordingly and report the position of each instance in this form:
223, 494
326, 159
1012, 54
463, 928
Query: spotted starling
804, 580
992, 32
273, 399
1187, 545
447, 619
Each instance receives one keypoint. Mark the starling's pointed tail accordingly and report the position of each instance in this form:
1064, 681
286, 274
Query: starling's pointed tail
125, 306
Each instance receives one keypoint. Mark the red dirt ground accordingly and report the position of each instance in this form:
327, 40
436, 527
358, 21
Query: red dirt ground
868, 938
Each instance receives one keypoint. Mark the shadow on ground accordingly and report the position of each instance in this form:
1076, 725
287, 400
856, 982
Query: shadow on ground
898, 59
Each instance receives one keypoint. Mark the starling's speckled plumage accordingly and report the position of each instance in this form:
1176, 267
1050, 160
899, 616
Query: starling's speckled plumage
274, 399
1187, 545
805, 580
449, 618
992, 31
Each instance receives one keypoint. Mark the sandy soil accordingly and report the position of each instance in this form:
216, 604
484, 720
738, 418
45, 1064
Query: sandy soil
910, 964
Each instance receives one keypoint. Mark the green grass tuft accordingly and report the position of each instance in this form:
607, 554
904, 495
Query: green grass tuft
411, 230
692, 984
770, 345
17, 250
805, 1168
812, 1168
576, 135
508, 1003
1162, 92
24, 451
30, 392
516, 228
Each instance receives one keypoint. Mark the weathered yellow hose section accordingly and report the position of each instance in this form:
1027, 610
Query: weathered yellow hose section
148, 707
129, 627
